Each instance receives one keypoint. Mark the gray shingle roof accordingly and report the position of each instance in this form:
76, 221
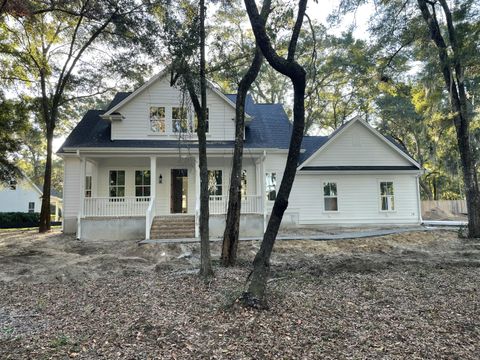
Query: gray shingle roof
269, 128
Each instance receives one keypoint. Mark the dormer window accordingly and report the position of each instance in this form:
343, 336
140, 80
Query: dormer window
206, 121
157, 119
179, 120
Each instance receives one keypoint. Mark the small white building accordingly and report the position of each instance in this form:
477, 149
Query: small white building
22, 195
131, 170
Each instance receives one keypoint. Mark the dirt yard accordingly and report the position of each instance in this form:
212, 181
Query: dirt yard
406, 296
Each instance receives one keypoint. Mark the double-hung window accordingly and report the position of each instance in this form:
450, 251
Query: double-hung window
142, 183
157, 119
12, 185
215, 183
330, 196
387, 196
31, 207
116, 186
179, 120
271, 186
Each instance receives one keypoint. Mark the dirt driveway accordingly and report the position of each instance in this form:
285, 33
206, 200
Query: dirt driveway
411, 295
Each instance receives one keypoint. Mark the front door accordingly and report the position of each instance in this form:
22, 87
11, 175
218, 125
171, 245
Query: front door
179, 191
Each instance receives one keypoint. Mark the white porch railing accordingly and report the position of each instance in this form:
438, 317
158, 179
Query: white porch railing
115, 206
251, 204
150, 215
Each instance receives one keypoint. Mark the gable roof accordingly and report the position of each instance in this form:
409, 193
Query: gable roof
38, 187
269, 128
321, 144
125, 97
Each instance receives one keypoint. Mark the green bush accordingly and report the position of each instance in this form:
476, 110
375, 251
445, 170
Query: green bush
18, 219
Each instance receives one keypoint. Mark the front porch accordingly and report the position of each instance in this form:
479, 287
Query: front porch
142, 189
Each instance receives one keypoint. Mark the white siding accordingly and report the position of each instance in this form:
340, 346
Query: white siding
136, 124
358, 146
17, 200
71, 187
358, 199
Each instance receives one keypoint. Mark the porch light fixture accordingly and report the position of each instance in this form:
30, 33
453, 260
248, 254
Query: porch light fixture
160, 178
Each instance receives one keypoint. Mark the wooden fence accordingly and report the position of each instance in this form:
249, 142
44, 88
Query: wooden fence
456, 207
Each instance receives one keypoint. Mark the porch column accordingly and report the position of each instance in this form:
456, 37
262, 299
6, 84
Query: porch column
83, 171
153, 177
56, 210
197, 196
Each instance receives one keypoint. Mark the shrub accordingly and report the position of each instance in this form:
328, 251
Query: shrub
18, 219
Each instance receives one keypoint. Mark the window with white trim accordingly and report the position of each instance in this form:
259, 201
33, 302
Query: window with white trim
12, 185
179, 120
215, 182
31, 207
116, 183
271, 186
330, 196
88, 186
142, 182
157, 119
387, 196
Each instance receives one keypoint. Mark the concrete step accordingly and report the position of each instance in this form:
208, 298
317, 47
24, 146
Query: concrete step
168, 235
173, 227
172, 230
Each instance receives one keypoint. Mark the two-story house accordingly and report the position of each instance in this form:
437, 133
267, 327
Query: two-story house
131, 170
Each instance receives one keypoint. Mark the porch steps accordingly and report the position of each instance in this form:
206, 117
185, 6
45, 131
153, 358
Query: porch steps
173, 227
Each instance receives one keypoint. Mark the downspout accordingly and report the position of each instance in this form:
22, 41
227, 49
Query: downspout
419, 202
262, 189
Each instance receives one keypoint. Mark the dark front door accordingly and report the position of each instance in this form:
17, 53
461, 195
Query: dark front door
179, 191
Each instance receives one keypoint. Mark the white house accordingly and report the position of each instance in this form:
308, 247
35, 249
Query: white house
23, 195
131, 170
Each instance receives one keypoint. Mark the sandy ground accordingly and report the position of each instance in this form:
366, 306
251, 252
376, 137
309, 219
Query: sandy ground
410, 295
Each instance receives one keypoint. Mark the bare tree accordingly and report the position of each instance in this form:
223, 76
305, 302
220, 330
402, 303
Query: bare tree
255, 295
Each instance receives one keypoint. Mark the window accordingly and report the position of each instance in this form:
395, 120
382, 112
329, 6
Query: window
117, 183
179, 119
243, 183
387, 198
215, 182
12, 184
207, 117
142, 183
330, 196
157, 119
31, 207
271, 186
88, 186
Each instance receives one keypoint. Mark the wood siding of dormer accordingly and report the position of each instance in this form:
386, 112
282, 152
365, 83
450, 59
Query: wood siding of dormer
136, 122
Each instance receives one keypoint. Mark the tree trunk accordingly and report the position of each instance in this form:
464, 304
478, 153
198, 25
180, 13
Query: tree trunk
206, 270
255, 295
47, 184
232, 225
454, 82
